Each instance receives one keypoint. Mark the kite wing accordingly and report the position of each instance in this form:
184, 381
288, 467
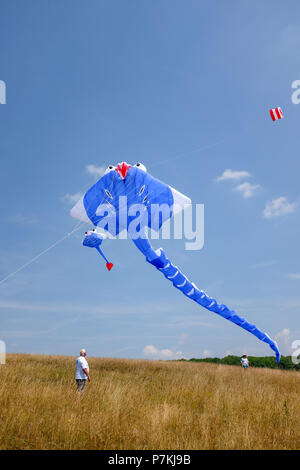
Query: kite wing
106, 204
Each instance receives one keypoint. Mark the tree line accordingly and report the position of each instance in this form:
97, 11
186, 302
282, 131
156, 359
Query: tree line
266, 361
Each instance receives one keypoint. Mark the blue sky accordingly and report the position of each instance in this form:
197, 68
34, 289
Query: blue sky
186, 89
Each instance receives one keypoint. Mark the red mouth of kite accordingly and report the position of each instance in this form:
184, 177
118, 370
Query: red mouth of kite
123, 169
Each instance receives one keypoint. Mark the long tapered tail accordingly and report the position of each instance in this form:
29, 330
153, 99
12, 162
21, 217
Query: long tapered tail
181, 282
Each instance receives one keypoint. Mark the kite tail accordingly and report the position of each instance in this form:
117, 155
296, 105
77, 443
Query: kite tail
181, 282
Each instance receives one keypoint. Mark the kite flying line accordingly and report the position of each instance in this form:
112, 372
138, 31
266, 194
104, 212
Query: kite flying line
78, 226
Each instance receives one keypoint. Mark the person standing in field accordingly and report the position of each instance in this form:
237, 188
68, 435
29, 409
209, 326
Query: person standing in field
82, 374
244, 362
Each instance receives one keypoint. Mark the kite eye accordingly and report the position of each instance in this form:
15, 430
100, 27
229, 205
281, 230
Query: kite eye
140, 166
109, 168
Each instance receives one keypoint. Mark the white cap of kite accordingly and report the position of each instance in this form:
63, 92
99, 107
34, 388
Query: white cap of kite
276, 113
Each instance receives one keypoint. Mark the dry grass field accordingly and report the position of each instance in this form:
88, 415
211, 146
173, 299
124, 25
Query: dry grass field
133, 404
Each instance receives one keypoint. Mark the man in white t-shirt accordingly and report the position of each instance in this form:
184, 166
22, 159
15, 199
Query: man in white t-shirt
244, 362
82, 371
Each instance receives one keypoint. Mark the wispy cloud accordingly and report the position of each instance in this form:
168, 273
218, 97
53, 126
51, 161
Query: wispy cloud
247, 189
106, 310
94, 170
278, 207
71, 198
118, 351
183, 339
23, 333
293, 276
289, 38
152, 352
20, 219
264, 264
233, 175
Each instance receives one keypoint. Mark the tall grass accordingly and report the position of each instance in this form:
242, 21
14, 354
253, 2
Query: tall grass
133, 404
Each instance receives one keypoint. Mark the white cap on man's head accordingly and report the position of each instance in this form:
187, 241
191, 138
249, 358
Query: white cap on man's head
82, 352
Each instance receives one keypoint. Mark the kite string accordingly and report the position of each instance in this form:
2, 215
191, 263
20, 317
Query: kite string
78, 225
40, 254
182, 155
60, 240
53, 245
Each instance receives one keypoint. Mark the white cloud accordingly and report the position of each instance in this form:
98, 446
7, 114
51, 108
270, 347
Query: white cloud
294, 276
150, 350
285, 333
228, 353
154, 353
284, 340
247, 189
206, 353
233, 175
95, 170
71, 198
278, 207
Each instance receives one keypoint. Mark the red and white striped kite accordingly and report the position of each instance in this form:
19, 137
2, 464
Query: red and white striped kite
276, 114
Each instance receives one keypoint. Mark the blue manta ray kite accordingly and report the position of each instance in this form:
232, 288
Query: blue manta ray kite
113, 204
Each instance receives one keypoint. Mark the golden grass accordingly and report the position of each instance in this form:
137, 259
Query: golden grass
133, 404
